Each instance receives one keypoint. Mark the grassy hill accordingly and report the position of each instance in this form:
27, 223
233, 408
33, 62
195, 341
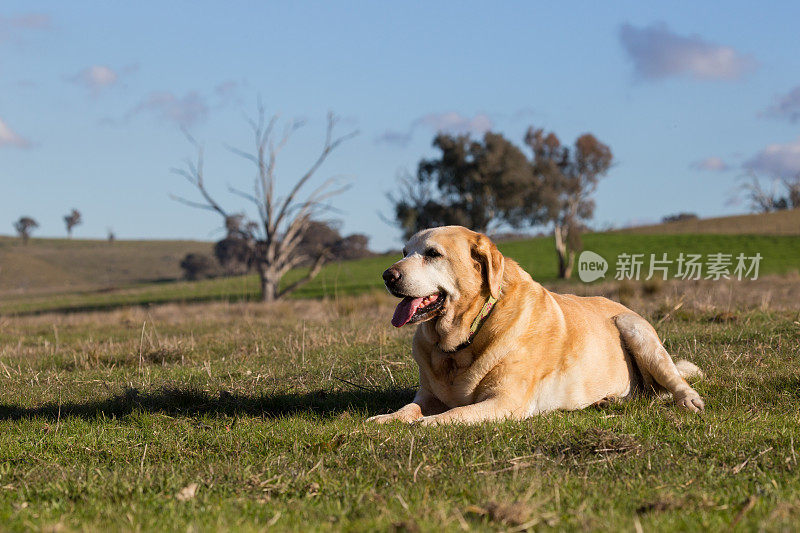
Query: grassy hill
778, 223
781, 254
59, 265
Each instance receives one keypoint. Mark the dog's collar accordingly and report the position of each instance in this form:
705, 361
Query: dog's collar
484, 313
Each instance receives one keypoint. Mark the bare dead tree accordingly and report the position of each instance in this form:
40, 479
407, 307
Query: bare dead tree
761, 199
283, 221
793, 190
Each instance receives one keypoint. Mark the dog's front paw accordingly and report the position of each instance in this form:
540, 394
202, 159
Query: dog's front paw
383, 419
690, 400
403, 415
429, 421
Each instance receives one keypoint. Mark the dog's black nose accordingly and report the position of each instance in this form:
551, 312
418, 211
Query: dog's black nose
391, 275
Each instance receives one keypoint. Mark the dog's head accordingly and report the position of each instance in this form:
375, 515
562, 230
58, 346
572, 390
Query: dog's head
443, 271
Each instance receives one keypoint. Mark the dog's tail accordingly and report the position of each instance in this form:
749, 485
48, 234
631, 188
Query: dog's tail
688, 370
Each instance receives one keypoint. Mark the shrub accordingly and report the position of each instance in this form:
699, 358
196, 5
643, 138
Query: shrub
678, 217
197, 266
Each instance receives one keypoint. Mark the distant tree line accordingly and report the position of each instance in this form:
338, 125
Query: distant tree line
237, 252
487, 183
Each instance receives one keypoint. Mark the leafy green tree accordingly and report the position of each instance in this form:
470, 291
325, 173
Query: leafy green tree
565, 181
485, 184
472, 183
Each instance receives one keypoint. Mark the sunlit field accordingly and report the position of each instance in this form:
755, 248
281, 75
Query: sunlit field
240, 415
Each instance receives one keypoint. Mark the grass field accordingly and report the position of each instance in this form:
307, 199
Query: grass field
245, 416
781, 254
203, 410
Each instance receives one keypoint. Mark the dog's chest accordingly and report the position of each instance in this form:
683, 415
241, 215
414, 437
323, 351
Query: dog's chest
450, 378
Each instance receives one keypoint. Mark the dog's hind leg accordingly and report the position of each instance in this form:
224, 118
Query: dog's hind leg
655, 364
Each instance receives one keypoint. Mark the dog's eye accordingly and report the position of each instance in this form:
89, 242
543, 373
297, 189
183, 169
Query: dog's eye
430, 253
405, 252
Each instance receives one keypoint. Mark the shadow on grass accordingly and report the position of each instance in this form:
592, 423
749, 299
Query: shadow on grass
784, 386
233, 296
192, 402
67, 309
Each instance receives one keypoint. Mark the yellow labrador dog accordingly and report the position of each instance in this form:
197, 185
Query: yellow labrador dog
494, 344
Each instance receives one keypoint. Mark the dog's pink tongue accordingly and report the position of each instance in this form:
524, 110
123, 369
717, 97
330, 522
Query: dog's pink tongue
405, 310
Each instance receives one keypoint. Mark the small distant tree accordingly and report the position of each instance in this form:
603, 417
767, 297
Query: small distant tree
111, 237
565, 180
25, 226
282, 221
793, 191
235, 253
325, 236
197, 266
763, 200
355, 246
71, 220
679, 217
320, 237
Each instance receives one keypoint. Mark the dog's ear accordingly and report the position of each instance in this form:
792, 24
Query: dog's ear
485, 251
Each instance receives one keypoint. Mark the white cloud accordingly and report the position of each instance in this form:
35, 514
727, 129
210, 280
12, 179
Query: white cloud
9, 137
30, 21
711, 164
226, 89
777, 160
184, 110
453, 122
786, 106
11, 26
449, 122
95, 78
227, 93
397, 138
657, 52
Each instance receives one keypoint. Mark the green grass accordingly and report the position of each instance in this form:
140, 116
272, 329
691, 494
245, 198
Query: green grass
106, 417
781, 254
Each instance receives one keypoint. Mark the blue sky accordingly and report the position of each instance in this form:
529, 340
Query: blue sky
93, 96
